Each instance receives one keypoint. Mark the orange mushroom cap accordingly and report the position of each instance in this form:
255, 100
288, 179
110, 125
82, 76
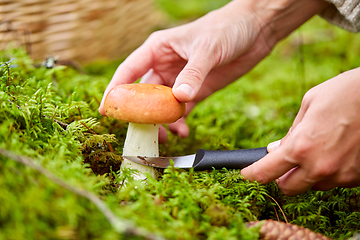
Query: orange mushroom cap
143, 103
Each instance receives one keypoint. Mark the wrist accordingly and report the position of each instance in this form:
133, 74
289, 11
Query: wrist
278, 18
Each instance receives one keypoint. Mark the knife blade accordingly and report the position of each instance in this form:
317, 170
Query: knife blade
206, 159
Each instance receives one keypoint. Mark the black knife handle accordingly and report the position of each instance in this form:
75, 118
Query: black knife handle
230, 159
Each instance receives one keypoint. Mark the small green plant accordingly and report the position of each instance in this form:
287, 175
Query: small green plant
59, 160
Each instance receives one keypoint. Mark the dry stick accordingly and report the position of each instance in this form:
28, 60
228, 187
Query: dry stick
97, 100
72, 63
89, 129
63, 125
279, 208
79, 112
121, 226
277, 215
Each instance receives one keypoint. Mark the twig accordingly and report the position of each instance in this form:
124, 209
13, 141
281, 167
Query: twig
121, 226
279, 208
277, 215
97, 100
79, 112
90, 130
72, 63
63, 125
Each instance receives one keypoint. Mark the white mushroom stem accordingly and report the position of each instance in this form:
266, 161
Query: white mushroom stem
141, 140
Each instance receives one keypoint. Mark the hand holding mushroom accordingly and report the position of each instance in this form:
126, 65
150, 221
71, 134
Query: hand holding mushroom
206, 55
201, 57
144, 106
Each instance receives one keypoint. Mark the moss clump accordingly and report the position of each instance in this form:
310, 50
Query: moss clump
99, 154
51, 117
43, 119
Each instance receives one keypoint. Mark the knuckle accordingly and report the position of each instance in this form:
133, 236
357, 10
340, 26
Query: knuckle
308, 97
157, 37
206, 42
321, 172
209, 46
301, 148
156, 34
193, 74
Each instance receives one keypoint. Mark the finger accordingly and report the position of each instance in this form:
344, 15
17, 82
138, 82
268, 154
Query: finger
180, 128
347, 180
152, 78
162, 135
295, 182
273, 145
134, 67
270, 167
190, 79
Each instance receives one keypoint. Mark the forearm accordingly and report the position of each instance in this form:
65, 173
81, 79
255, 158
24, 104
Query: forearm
276, 19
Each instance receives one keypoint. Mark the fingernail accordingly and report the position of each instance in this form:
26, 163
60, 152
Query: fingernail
274, 145
185, 89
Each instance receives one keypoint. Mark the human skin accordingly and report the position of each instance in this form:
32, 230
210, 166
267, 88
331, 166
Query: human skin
199, 58
322, 150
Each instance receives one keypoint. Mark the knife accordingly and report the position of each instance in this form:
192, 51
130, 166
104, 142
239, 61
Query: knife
206, 159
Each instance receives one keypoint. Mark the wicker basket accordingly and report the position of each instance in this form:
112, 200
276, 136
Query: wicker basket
81, 30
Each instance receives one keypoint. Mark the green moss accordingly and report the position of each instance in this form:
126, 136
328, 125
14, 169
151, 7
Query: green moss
187, 9
50, 115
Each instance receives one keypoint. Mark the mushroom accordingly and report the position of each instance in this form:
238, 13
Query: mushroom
145, 107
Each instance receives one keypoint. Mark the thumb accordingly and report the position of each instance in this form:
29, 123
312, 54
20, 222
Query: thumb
273, 145
190, 79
